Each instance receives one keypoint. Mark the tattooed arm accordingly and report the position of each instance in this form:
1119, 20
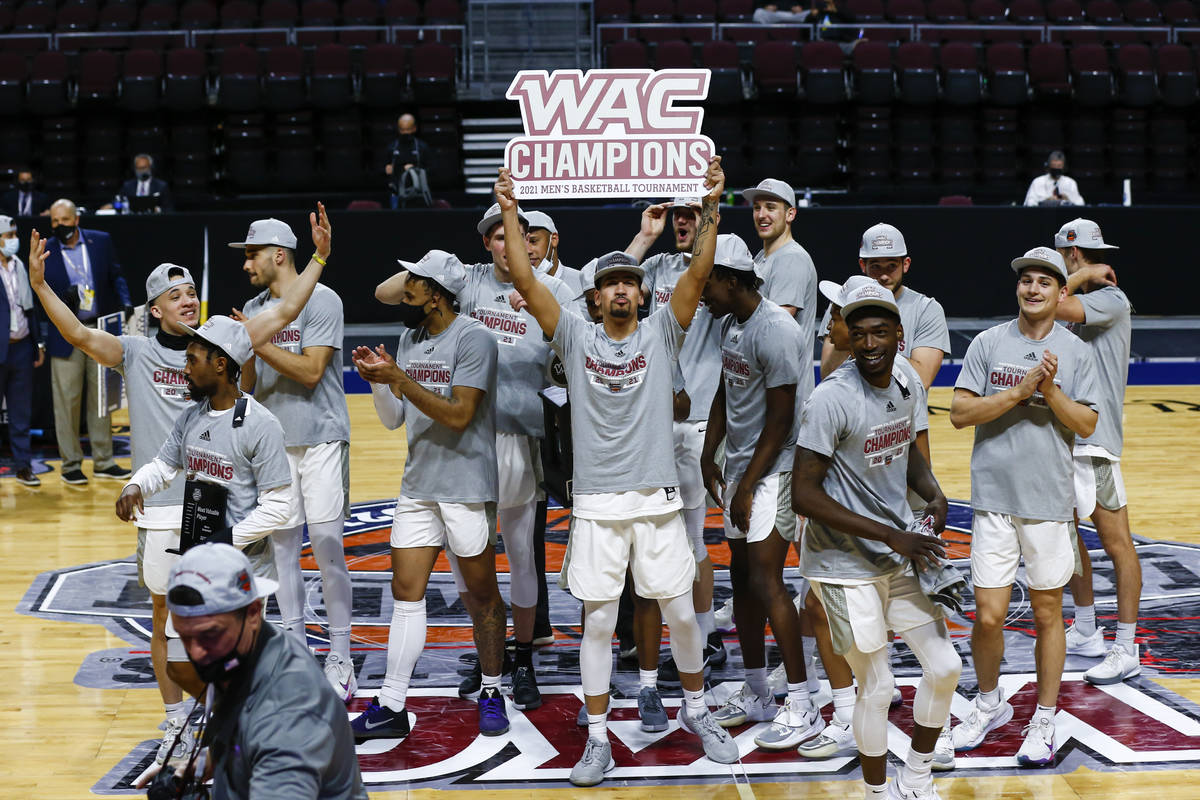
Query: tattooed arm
687, 291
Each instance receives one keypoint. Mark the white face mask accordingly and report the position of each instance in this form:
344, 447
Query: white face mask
9, 247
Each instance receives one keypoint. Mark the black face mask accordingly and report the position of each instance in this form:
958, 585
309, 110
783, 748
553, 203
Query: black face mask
406, 140
411, 315
227, 667
25, 186
1055, 173
63, 232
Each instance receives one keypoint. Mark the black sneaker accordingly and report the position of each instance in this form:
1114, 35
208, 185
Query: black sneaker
74, 477
114, 473
470, 686
715, 654
668, 673
380, 722
525, 694
25, 477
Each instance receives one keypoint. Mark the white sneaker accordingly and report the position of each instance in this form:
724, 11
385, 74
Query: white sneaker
897, 697
777, 682
340, 674
836, 740
1039, 748
745, 706
717, 744
943, 752
898, 791
596, 760
723, 616
795, 723
176, 726
1091, 646
968, 734
1117, 666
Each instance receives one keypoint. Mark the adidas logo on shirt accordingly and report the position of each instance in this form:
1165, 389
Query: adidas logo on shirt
890, 406
1031, 356
737, 337
500, 298
204, 437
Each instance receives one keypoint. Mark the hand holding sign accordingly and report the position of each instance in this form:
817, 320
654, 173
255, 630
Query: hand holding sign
714, 180
504, 190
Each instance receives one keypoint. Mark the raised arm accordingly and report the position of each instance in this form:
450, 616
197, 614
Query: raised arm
102, 346
265, 325
654, 220
391, 291
691, 283
538, 298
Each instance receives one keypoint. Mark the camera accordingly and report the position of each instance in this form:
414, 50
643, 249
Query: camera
169, 786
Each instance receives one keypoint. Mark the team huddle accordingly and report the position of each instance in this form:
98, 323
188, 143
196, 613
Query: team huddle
689, 376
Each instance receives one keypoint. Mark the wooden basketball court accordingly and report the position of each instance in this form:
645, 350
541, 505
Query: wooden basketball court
59, 739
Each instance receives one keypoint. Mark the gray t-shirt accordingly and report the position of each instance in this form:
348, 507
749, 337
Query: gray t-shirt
158, 394
757, 355
1107, 328
246, 460
442, 464
790, 279
523, 351
309, 416
923, 320
621, 402
1021, 462
700, 356
866, 432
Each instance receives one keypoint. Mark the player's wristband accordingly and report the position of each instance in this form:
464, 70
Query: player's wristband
318, 259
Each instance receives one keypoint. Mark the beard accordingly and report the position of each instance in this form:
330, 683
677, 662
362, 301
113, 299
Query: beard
197, 394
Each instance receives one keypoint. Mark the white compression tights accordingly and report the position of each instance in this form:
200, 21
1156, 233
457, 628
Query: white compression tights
326, 539
600, 620
516, 529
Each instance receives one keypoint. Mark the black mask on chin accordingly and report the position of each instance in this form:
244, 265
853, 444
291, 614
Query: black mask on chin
227, 667
411, 315
25, 186
1056, 172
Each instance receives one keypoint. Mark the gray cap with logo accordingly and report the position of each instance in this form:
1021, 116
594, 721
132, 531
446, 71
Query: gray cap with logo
771, 188
226, 333
221, 578
441, 267
1083, 233
616, 261
268, 231
1045, 258
160, 282
882, 241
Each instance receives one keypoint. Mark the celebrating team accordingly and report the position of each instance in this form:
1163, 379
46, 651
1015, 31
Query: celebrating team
708, 392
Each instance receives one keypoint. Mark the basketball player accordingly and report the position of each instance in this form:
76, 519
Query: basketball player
543, 250
754, 412
489, 297
700, 366
626, 497
1029, 388
883, 256
854, 466
443, 385
298, 377
153, 369
1099, 313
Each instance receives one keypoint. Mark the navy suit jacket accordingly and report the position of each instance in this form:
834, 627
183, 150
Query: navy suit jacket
112, 294
25, 293
158, 187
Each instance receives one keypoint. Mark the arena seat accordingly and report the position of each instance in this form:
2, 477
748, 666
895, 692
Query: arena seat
239, 87
331, 84
14, 71
1048, 71
627, 54
675, 54
49, 85
916, 73
283, 79
776, 69
961, 73
874, 83
99, 73
433, 70
185, 85
1091, 75
823, 73
1177, 75
1137, 85
385, 72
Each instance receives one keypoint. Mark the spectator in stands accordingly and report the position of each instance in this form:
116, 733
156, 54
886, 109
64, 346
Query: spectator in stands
23, 200
144, 184
409, 163
823, 13
1054, 188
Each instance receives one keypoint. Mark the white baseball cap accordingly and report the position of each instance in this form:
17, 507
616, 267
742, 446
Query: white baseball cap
7, 224
771, 187
221, 578
1044, 257
733, 253
587, 278
540, 219
268, 231
868, 293
492, 216
160, 281
616, 261
439, 266
226, 333
686, 202
1083, 233
882, 241
837, 292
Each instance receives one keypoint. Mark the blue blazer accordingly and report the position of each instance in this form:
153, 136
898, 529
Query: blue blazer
25, 300
112, 294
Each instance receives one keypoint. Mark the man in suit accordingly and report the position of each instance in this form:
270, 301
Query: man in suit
21, 351
23, 200
82, 269
144, 184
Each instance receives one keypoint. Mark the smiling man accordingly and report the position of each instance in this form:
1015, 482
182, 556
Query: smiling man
1029, 388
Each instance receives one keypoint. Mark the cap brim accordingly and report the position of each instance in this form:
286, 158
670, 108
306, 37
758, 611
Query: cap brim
631, 269
753, 194
1019, 264
238, 245
266, 587
832, 291
871, 302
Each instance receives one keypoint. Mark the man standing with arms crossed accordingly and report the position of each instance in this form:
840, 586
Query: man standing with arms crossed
1099, 313
854, 467
1028, 387
626, 496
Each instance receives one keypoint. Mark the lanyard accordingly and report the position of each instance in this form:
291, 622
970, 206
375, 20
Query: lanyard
84, 272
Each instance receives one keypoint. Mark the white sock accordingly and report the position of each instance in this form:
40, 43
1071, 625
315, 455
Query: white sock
1044, 712
874, 792
1125, 631
648, 678
176, 710
707, 620
809, 644
339, 642
990, 699
598, 726
1085, 619
406, 640
490, 682
843, 704
798, 695
694, 701
757, 681
916, 769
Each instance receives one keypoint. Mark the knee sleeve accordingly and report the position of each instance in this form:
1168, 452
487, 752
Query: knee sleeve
326, 539
940, 668
693, 523
875, 684
285, 546
406, 640
595, 651
687, 643
516, 529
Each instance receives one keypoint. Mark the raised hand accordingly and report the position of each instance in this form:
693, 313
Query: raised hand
37, 259
1029, 384
714, 179
1049, 367
654, 220
236, 313
505, 191
322, 232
